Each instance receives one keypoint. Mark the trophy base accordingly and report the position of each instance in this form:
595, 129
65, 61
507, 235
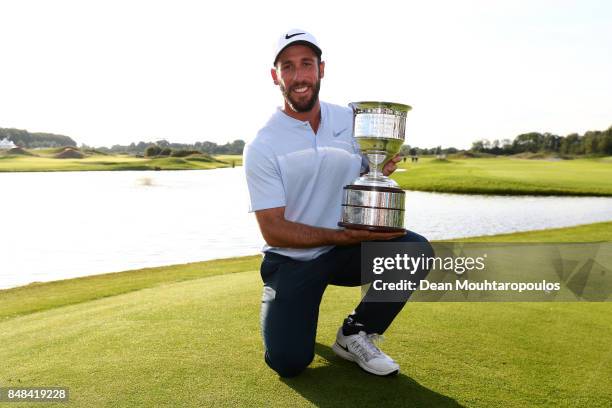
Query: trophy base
372, 228
375, 181
373, 208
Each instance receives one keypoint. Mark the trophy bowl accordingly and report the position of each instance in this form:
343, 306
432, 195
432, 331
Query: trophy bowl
374, 201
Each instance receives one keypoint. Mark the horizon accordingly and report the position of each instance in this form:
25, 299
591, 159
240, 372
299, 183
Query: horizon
171, 142
471, 70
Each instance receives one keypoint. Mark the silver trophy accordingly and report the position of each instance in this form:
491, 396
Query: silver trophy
375, 202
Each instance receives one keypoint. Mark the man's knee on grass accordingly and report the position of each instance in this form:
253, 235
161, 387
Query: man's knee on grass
288, 364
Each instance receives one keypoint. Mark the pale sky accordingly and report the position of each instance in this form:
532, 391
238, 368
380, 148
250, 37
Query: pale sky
115, 72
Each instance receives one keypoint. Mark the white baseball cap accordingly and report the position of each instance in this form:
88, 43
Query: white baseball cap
296, 36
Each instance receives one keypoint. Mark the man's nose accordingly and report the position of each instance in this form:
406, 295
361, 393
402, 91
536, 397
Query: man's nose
299, 74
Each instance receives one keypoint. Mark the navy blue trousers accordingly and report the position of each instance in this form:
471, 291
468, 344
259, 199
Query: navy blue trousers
292, 294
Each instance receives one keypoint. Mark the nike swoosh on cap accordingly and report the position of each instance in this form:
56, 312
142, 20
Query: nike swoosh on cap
287, 36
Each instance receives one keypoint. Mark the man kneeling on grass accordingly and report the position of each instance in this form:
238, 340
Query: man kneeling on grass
296, 168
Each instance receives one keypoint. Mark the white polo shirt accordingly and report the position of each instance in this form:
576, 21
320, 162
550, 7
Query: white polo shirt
287, 165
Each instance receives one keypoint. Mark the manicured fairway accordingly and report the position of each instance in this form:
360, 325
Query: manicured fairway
188, 335
46, 162
508, 176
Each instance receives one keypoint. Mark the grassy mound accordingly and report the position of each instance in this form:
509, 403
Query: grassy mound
199, 157
18, 151
94, 162
94, 152
540, 156
470, 155
184, 153
50, 151
70, 153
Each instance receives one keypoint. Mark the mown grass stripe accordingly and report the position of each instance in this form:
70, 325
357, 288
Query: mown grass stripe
42, 296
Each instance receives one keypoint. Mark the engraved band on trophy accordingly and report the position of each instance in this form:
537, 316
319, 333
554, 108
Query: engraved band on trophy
374, 201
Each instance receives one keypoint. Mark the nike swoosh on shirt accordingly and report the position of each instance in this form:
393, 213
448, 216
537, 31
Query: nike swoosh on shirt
338, 133
287, 36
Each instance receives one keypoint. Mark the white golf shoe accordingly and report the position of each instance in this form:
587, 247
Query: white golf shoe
361, 349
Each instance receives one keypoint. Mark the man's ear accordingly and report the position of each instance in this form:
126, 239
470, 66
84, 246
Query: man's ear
274, 75
321, 69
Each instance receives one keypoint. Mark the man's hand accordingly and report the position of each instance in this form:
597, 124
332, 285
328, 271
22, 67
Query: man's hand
391, 166
353, 236
278, 232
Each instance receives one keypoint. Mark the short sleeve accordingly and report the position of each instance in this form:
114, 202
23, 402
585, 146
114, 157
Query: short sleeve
263, 180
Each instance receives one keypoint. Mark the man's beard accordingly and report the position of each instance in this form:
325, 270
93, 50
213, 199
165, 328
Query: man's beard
302, 106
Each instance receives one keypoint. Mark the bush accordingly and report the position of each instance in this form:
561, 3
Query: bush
183, 153
152, 151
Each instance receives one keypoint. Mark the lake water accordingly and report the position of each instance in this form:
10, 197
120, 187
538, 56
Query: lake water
68, 224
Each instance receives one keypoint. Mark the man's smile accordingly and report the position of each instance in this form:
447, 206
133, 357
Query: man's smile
301, 94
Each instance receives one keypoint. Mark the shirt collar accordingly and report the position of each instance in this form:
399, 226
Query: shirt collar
285, 120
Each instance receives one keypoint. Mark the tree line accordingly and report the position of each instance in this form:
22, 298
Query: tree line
165, 148
592, 142
23, 138
408, 150
28, 140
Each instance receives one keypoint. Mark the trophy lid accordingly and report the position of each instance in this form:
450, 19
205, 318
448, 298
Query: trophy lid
393, 108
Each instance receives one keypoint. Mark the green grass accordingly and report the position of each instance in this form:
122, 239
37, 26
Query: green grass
37, 297
598, 232
509, 176
44, 161
501, 175
188, 335
229, 158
